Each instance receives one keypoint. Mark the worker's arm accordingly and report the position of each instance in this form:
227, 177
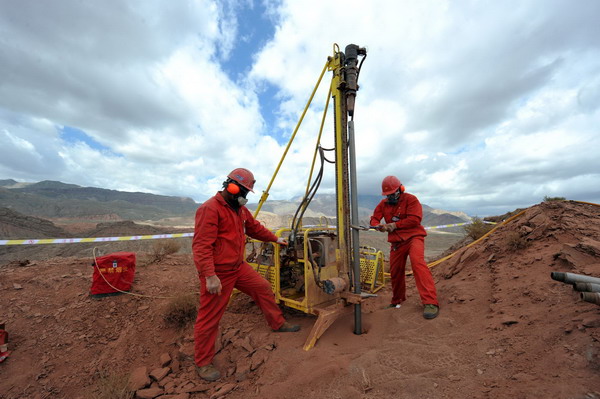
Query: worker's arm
377, 215
205, 235
256, 230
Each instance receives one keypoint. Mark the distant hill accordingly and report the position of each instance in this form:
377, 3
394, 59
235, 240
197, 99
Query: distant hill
54, 199
18, 226
7, 182
321, 205
325, 205
10, 183
51, 199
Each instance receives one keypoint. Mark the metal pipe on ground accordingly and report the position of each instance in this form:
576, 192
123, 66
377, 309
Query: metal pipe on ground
586, 287
572, 278
592, 297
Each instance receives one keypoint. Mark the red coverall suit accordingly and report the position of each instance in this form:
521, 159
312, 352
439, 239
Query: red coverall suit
218, 247
408, 240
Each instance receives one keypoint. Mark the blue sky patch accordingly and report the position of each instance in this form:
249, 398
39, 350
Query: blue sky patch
254, 30
74, 135
269, 105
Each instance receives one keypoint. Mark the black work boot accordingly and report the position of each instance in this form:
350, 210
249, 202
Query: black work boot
431, 311
208, 372
288, 327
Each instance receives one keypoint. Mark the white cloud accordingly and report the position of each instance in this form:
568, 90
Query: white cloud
18, 143
507, 88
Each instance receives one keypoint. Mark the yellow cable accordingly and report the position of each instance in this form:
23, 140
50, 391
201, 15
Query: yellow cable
437, 262
588, 203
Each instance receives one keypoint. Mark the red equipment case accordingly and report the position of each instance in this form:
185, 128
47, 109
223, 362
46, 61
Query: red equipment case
114, 270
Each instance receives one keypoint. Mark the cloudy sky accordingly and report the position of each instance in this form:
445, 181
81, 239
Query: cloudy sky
477, 106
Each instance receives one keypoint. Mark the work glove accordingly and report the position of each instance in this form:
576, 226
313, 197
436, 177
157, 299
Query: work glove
213, 285
389, 227
282, 241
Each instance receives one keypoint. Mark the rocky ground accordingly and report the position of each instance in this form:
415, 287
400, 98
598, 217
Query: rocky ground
505, 329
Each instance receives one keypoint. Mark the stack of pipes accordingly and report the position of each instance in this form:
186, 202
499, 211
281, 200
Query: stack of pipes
589, 287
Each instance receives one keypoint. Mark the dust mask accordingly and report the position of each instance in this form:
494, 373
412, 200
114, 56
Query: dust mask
392, 199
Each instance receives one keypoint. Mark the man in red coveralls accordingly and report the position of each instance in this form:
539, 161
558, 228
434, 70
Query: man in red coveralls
222, 224
402, 213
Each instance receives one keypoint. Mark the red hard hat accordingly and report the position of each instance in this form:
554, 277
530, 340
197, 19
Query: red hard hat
390, 185
243, 177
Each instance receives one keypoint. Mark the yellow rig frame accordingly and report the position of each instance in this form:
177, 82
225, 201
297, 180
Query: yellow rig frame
319, 279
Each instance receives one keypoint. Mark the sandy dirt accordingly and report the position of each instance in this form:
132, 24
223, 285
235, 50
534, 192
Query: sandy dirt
505, 329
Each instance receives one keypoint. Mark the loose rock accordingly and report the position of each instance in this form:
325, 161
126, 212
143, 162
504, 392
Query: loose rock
139, 378
165, 360
149, 393
159, 374
224, 390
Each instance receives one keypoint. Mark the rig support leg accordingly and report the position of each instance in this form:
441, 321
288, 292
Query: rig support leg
326, 317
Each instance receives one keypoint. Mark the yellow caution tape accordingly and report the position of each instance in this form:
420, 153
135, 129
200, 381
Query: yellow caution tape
91, 239
38, 241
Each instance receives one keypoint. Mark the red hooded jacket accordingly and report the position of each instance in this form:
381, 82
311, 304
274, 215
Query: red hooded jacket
220, 236
407, 215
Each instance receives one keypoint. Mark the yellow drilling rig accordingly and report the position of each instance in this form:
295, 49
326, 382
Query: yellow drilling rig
324, 269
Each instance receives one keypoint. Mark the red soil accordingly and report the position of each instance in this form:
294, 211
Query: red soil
505, 329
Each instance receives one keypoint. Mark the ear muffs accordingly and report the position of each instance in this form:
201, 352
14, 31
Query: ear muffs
232, 188
402, 188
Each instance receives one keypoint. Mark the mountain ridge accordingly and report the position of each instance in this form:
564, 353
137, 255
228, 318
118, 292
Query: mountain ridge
54, 199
